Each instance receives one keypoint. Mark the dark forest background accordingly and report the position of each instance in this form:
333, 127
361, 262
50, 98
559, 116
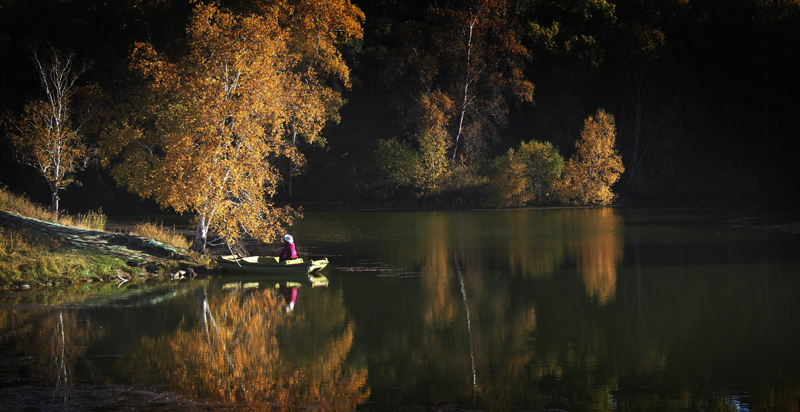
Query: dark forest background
705, 93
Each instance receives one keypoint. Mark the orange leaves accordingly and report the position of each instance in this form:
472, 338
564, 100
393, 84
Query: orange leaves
319, 27
590, 173
234, 354
211, 127
153, 66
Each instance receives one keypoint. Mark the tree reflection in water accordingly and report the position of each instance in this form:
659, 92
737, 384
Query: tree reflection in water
597, 250
233, 354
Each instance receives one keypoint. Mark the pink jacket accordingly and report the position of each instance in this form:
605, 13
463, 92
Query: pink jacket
288, 252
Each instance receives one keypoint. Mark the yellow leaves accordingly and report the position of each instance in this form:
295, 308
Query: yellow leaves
208, 129
234, 355
319, 27
509, 183
589, 175
526, 176
435, 111
153, 66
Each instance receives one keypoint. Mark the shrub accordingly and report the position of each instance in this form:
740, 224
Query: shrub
526, 176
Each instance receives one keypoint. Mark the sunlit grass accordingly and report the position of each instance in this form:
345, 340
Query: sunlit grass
171, 237
26, 207
159, 233
26, 256
29, 257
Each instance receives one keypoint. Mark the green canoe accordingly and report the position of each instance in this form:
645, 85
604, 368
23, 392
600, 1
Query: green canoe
268, 265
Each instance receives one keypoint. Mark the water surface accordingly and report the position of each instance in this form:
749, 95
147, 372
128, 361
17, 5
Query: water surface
588, 309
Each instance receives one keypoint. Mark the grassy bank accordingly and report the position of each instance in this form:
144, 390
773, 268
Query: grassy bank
29, 256
25, 207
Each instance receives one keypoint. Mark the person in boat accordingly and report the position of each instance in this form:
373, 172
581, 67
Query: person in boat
289, 251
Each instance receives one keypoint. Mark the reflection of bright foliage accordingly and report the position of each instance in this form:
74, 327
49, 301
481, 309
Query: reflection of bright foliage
440, 309
234, 356
597, 250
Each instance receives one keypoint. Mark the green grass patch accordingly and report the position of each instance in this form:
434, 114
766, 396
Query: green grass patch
26, 257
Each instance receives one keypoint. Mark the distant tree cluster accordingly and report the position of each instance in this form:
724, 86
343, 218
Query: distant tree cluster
535, 174
665, 69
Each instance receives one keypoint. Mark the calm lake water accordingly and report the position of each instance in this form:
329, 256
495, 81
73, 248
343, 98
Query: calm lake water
608, 309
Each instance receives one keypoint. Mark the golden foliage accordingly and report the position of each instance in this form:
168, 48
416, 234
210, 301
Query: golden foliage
318, 28
234, 356
597, 250
509, 183
434, 165
205, 133
588, 175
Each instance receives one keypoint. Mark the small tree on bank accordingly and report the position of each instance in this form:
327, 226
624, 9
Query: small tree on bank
47, 135
595, 167
526, 176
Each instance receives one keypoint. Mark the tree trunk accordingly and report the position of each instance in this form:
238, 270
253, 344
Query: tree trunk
201, 234
467, 81
291, 164
54, 200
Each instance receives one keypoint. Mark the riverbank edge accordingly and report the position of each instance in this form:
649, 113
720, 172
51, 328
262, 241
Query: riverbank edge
87, 255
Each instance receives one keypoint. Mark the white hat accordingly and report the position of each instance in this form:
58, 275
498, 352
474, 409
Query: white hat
288, 238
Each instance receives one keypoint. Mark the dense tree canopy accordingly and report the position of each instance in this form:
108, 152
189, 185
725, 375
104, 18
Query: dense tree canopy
203, 134
702, 93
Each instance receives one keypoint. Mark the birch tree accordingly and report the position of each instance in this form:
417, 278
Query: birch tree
471, 52
595, 167
47, 135
205, 132
318, 31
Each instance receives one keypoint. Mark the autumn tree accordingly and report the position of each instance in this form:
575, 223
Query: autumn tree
318, 31
589, 174
570, 41
526, 175
508, 181
434, 142
205, 132
47, 135
471, 52
543, 166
